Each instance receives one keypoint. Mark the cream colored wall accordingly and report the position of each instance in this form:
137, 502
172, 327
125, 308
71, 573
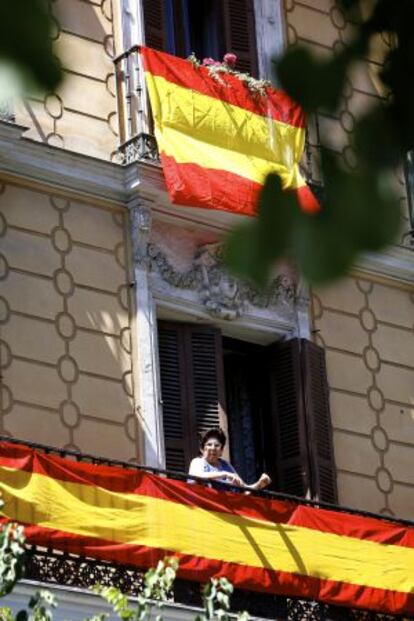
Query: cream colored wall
65, 324
323, 28
367, 329
81, 115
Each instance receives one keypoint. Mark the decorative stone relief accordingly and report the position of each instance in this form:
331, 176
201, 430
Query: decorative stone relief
222, 295
140, 218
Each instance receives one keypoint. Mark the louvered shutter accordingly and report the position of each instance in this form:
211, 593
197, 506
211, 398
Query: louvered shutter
288, 426
192, 384
318, 418
207, 378
178, 431
154, 24
239, 33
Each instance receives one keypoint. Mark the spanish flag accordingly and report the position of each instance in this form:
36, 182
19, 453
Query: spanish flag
130, 517
218, 140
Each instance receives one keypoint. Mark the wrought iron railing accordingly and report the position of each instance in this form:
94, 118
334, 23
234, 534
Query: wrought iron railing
62, 568
138, 144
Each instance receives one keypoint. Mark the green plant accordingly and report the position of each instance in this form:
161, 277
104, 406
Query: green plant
40, 607
25, 42
11, 556
158, 583
216, 599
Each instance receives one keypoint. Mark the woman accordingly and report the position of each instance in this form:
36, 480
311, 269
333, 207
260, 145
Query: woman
212, 467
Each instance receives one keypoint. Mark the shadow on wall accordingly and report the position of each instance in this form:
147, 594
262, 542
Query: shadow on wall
81, 115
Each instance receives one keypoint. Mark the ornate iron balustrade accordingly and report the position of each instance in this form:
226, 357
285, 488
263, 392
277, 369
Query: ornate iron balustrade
60, 568
52, 568
137, 141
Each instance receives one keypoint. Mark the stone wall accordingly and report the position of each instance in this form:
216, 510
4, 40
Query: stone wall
64, 324
324, 30
367, 329
81, 116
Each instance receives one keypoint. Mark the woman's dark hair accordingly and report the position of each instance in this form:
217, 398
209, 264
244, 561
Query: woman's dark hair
216, 433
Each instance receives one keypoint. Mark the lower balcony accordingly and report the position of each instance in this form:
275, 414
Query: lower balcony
38, 480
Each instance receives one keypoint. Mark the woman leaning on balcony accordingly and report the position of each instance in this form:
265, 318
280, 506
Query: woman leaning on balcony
213, 467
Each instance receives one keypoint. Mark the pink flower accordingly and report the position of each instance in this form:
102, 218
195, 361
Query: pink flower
208, 61
230, 59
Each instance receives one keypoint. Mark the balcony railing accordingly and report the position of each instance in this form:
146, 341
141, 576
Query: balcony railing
54, 567
137, 142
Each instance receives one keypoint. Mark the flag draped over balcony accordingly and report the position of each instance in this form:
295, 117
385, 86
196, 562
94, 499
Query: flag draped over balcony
129, 516
218, 140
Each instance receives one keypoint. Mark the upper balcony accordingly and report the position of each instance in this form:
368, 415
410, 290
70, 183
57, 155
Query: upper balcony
138, 144
91, 520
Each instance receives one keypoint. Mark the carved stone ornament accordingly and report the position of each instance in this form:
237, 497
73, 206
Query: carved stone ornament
140, 218
222, 295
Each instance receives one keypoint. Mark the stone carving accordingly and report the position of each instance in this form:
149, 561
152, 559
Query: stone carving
222, 295
182, 280
140, 218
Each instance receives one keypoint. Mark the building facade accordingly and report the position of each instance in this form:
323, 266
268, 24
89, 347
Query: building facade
122, 334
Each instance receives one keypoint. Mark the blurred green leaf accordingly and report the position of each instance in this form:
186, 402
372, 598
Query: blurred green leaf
311, 82
253, 247
376, 140
322, 251
360, 206
25, 41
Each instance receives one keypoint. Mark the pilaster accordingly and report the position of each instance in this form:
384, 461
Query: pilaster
149, 409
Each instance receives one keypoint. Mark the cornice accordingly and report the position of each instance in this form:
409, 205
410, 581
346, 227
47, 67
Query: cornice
67, 170
152, 190
78, 603
92, 177
394, 263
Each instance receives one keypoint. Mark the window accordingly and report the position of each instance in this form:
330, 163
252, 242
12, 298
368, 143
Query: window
209, 28
273, 402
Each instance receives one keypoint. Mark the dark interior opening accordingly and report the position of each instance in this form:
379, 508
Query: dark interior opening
247, 401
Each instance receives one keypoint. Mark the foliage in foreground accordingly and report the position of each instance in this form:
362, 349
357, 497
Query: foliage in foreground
360, 207
25, 42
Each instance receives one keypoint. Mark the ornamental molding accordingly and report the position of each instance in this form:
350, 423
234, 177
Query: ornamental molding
140, 222
93, 178
222, 295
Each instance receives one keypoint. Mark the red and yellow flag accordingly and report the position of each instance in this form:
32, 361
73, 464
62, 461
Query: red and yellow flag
132, 517
218, 140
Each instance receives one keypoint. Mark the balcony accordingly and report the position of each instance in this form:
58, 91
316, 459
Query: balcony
138, 144
54, 564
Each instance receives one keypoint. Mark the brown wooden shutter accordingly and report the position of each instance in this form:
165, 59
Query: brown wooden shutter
301, 422
192, 383
318, 419
154, 24
207, 379
288, 419
239, 33
176, 421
